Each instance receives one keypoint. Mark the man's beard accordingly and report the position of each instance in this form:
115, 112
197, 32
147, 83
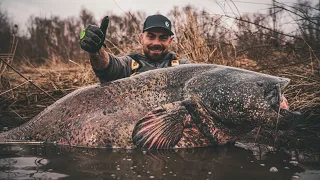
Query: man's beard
155, 56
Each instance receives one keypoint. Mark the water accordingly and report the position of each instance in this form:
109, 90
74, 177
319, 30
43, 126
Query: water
240, 162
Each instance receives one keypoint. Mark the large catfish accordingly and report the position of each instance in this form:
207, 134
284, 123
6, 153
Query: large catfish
186, 106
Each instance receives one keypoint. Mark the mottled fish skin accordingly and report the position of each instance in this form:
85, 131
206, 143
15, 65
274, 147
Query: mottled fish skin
105, 115
99, 116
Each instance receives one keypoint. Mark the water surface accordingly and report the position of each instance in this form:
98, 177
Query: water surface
239, 162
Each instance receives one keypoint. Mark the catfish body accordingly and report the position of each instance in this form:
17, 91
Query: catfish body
185, 106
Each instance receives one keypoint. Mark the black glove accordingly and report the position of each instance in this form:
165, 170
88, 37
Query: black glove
92, 37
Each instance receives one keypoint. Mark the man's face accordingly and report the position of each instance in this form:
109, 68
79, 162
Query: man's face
155, 43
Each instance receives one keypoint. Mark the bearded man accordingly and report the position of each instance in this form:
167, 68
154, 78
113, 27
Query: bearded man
156, 38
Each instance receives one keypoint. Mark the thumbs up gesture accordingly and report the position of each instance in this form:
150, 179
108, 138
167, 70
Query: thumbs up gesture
92, 37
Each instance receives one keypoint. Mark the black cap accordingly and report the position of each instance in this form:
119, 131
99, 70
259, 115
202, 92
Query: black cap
157, 21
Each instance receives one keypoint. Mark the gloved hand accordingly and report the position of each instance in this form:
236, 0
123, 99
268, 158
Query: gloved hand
92, 37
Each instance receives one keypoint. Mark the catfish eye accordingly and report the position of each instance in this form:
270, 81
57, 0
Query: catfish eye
259, 83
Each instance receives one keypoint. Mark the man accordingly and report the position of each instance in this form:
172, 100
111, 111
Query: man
155, 38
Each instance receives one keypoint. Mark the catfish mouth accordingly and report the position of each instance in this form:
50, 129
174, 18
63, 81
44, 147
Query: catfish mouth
279, 104
276, 99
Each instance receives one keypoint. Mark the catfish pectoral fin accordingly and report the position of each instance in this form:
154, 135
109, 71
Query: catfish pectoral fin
161, 128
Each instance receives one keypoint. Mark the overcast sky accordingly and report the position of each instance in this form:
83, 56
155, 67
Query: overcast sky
20, 10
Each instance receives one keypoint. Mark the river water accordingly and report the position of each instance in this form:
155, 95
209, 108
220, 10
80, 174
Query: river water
242, 161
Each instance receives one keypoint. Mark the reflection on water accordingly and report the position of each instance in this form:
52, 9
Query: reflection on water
53, 162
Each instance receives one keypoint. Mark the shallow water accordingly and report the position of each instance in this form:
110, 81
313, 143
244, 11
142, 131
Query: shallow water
240, 162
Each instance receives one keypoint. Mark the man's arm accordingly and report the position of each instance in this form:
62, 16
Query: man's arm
99, 60
108, 67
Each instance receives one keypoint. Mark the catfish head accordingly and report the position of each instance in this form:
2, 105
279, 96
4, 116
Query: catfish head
231, 102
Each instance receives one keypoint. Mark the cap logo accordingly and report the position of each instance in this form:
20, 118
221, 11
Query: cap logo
167, 23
